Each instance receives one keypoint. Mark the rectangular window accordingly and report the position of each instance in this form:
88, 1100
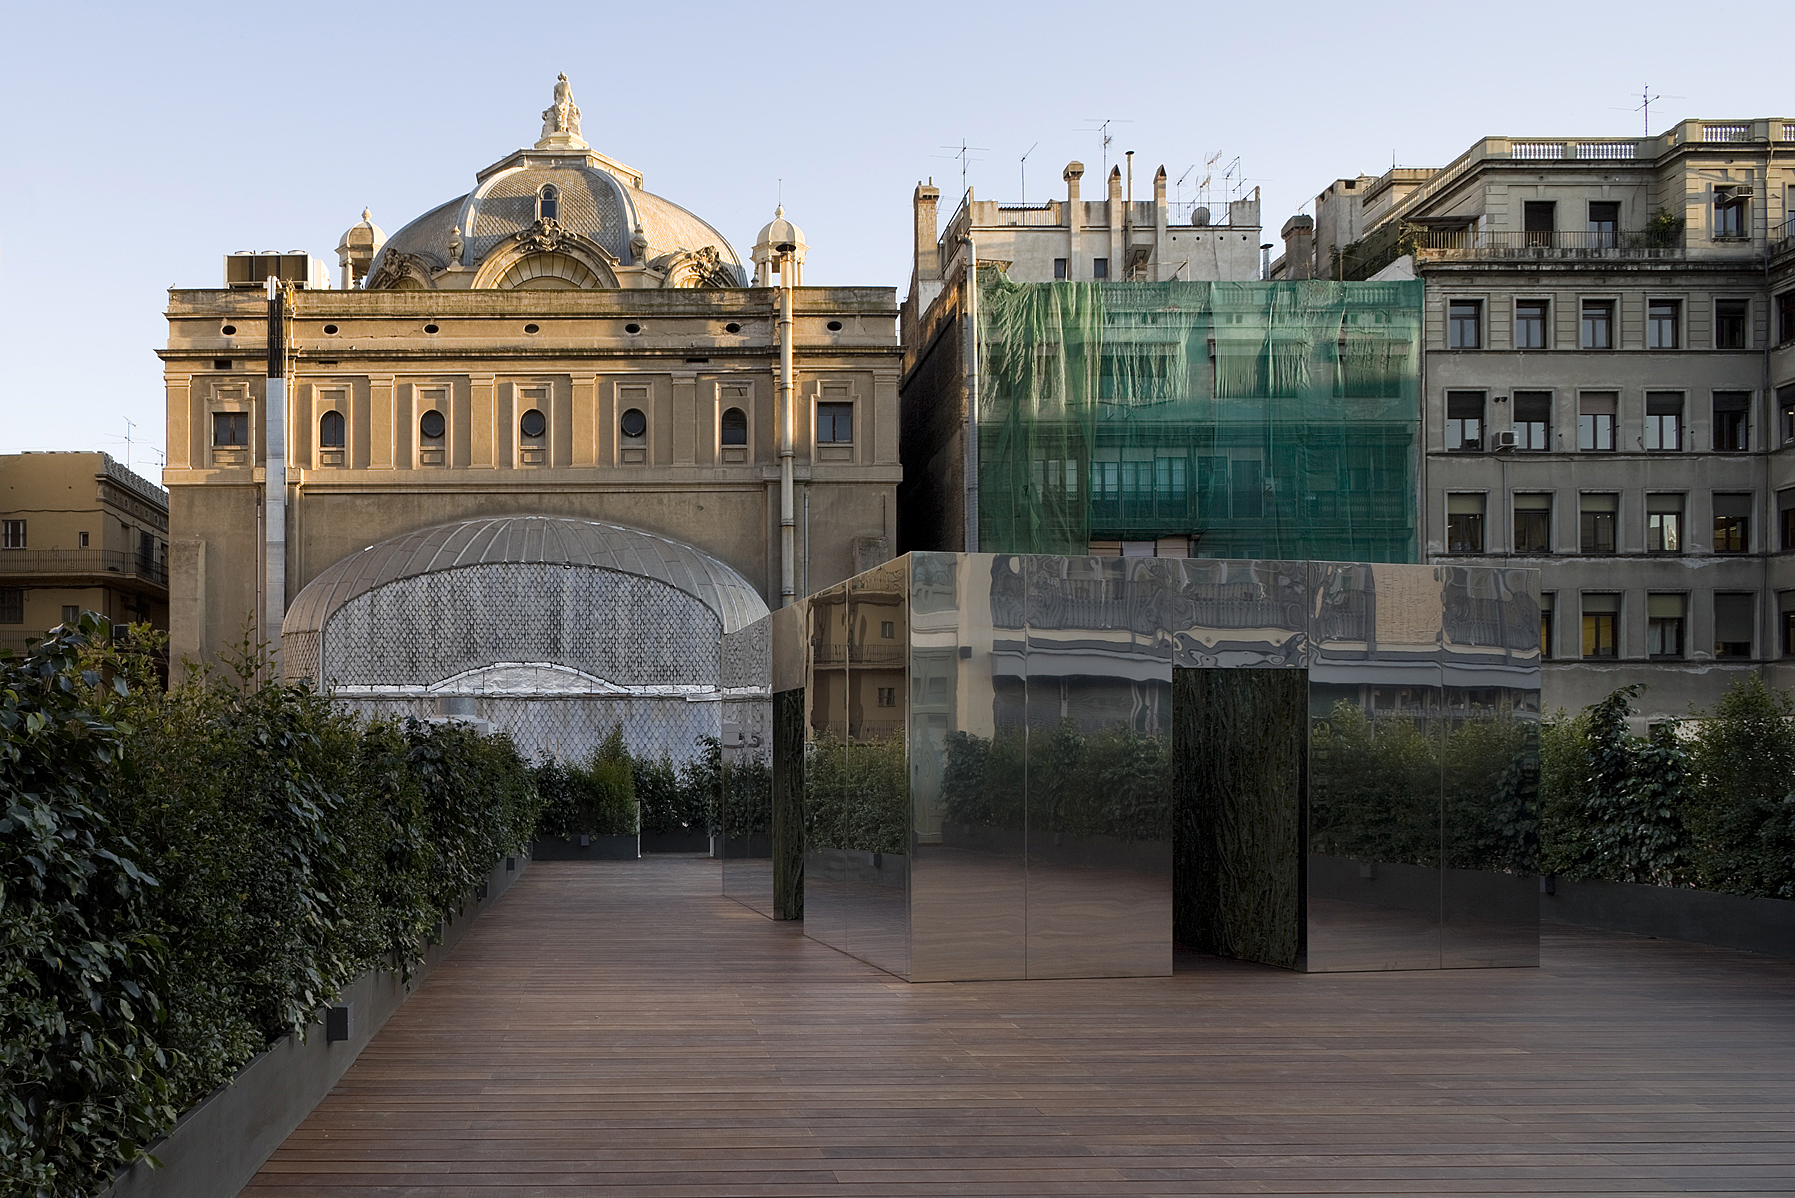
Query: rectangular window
1059, 268
1464, 420
1785, 399
1664, 420
1595, 420
1464, 523
1664, 625
1787, 602
71, 615
1664, 523
1533, 523
1730, 316
81, 540
230, 429
1785, 519
835, 424
1100, 268
1537, 220
887, 696
1464, 324
1732, 522
1604, 222
1547, 602
1732, 421
12, 605
887, 630
12, 534
1785, 318
1598, 324
1732, 213
1601, 616
1597, 515
1663, 323
1735, 614
1249, 493
1533, 420
1530, 324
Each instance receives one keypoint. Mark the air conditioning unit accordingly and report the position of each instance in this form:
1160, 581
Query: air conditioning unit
1503, 441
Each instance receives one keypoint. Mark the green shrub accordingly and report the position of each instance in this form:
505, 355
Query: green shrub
187, 875
1742, 815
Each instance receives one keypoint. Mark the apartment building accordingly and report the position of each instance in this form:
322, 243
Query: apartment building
1608, 388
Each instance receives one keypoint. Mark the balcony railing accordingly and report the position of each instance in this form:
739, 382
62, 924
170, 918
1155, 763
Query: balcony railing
1470, 243
835, 654
81, 561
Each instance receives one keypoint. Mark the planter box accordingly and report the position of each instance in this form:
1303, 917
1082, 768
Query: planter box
1759, 925
218, 1146
596, 848
686, 840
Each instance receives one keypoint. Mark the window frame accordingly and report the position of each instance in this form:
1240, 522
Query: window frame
1663, 314
1544, 309
14, 534
1735, 532
12, 605
1525, 443
1590, 522
1606, 309
1656, 425
230, 418
1529, 545
341, 429
1655, 525
1595, 621
1744, 321
1737, 204
1472, 538
1613, 425
1456, 323
1732, 434
1459, 443
1751, 601
1099, 268
1657, 625
837, 408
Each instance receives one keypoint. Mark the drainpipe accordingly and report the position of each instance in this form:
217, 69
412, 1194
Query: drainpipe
274, 475
971, 464
788, 588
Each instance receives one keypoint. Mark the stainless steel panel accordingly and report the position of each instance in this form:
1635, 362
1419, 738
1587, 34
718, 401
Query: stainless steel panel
1098, 765
968, 885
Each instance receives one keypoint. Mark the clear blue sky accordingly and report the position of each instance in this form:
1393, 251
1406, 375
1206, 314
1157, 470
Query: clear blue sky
143, 142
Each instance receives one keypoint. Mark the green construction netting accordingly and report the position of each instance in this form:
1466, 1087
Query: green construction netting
1277, 420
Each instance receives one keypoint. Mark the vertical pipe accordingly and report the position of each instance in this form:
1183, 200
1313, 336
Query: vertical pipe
788, 590
971, 463
274, 467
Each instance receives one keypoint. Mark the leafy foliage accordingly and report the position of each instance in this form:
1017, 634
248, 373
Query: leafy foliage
1112, 782
187, 875
1741, 816
596, 797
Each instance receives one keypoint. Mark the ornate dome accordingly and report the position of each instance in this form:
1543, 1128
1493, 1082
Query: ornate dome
779, 236
558, 216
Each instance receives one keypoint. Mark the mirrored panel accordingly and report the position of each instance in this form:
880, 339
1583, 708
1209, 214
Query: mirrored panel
736, 768
826, 862
1376, 727
968, 883
1098, 765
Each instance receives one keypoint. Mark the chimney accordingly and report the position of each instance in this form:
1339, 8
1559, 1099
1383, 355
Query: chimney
1299, 247
926, 203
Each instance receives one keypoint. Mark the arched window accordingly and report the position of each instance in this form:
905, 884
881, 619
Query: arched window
330, 430
533, 425
431, 425
548, 203
735, 427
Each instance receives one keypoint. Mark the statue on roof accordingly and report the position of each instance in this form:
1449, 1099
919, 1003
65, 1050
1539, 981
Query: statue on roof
562, 116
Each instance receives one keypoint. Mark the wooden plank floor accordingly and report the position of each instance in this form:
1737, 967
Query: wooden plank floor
621, 1028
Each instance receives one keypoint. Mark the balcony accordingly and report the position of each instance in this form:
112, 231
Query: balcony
1437, 244
86, 567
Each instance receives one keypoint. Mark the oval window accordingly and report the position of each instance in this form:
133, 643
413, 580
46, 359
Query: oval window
632, 328
229, 330
732, 327
835, 326
330, 330
330, 430
735, 427
531, 328
533, 423
430, 328
432, 425
634, 423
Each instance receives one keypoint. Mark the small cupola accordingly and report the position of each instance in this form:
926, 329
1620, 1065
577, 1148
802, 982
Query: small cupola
358, 249
777, 239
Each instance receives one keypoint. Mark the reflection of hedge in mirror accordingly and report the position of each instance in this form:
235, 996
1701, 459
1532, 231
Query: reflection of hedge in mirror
1379, 789
1114, 782
856, 794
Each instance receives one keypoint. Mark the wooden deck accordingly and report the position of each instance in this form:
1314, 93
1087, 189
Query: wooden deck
621, 1027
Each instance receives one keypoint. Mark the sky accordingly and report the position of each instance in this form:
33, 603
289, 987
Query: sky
142, 143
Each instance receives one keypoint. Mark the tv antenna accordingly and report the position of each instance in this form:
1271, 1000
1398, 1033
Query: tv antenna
1102, 126
1025, 155
963, 152
1647, 97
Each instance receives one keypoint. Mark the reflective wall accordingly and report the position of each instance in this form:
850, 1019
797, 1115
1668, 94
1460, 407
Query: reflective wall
1037, 766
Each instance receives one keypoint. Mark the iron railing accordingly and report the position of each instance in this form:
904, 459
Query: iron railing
1560, 244
82, 561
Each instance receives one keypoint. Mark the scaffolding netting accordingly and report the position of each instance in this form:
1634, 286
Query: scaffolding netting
1272, 420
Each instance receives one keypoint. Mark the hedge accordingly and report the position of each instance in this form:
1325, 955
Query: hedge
186, 875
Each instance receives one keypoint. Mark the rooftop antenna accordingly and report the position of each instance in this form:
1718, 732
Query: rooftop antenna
130, 428
1030, 150
1102, 126
964, 153
1647, 97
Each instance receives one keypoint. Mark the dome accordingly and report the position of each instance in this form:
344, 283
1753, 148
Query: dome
366, 237
559, 215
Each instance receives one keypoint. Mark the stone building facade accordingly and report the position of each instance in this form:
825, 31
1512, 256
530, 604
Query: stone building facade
79, 532
1609, 388
557, 344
